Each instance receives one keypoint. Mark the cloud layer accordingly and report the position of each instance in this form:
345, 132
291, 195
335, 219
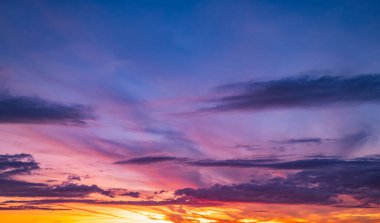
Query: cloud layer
16, 164
322, 182
22, 164
26, 109
298, 92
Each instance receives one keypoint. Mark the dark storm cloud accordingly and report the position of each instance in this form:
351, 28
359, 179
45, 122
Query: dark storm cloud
303, 91
148, 160
26, 109
322, 184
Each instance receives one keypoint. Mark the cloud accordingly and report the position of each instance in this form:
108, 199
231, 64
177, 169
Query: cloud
21, 164
319, 180
73, 177
270, 163
272, 192
16, 164
35, 110
355, 140
297, 92
301, 141
132, 194
148, 160
16, 188
322, 184
30, 207
170, 201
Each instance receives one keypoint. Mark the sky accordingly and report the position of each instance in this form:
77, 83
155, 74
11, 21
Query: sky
194, 111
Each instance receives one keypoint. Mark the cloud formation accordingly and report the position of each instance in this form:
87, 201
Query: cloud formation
133, 194
317, 183
297, 92
16, 164
148, 160
27, 109
302, 141
270, 163
21, 164
170, 201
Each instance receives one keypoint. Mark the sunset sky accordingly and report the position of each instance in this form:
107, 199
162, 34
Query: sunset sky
172, 111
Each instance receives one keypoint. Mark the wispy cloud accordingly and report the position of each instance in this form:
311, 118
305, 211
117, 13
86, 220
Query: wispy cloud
133, 194
148, 160
270, 163
27, 109
302, 141
170, 201
297, 92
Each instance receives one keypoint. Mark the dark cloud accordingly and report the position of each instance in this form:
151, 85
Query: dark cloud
73, 178
277, 164
16, 164
172, 201
231, 163
270, 163
16, 188
301, 141
303, 91
30, 207
21, 164
26, 109
132, 194
321, 184
148, 160
272, 192
160, 192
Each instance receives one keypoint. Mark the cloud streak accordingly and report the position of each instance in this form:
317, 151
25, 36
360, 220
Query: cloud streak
35, 110
148, 160
297, 92
270, 163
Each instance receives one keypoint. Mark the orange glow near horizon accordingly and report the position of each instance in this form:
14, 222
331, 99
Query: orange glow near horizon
227, 213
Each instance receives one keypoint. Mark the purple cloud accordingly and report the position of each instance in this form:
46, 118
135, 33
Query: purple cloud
297, 92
